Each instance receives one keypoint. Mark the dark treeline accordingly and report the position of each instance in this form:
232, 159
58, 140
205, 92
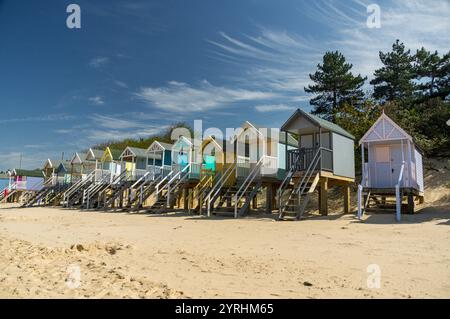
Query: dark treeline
412, 88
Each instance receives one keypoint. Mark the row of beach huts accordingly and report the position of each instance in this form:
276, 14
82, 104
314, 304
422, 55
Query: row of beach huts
256, 169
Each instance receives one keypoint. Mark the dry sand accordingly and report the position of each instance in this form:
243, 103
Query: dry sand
173, 256
177, 255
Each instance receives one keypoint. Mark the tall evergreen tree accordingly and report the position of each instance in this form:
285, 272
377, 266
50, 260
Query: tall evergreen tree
334, 85
442, 80
393, 81
426, 67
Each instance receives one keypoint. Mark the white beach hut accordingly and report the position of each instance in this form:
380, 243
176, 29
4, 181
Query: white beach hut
392, 166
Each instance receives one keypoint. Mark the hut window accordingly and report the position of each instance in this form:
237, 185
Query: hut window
382, 154
247, 147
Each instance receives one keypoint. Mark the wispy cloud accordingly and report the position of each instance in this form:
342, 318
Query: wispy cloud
98, 62
43, 118
280, 59
102, 128
181, 97
121, 84
274, 108
416, 23
115, 122
96, 100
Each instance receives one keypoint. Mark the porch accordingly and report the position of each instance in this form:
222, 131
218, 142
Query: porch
301, 159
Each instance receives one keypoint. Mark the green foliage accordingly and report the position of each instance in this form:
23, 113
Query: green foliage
358, 121
335, 86
433, 74
144, 143
393, 81
426, 123
414, 90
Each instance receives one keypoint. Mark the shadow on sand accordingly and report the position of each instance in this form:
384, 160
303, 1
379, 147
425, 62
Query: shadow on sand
426, 214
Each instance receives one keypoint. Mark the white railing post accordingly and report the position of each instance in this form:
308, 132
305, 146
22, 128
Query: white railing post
398, 194
360, 188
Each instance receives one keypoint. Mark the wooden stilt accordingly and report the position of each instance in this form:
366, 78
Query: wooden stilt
410, 204
274, 197
346, 199
185, 195
269, 197
324, 196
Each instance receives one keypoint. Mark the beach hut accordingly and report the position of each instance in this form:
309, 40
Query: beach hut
23, 180
110, 161
255, 166
217, 155
184, 157
77, 170
160, 157
50, 167
323, 158
5, 185
391, 167
63, 172
135, 161
92, 160
175, 170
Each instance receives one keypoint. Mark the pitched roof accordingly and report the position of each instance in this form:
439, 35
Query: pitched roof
225, 145
96, 152
139, 152
167, 146
64, 166
158, 146
320, 122
28, 173
281, 137
385, 129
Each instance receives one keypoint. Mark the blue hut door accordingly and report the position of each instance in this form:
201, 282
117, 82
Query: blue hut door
209, 162
183, 160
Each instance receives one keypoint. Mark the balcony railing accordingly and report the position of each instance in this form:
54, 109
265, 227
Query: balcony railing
302, 157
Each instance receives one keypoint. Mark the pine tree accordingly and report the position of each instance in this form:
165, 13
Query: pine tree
427, 65
442, 79
334, 85
432, 74
393, 81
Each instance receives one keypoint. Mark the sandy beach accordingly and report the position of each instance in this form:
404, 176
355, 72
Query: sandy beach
182, 256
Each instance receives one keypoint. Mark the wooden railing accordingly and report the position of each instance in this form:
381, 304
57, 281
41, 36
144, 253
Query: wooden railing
301, 158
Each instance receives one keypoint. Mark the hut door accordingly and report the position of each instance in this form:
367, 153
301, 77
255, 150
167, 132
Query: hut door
382, 167
396, 163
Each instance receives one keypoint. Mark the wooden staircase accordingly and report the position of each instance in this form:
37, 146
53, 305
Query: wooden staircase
297, 188
141, 192
169, 189
201, 190
74, 194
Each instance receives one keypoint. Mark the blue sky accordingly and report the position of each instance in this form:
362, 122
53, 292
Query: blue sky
135, 67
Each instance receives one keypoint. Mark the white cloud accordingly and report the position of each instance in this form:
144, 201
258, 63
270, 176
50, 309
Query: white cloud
121, 84
104, 128
274, 108
42, 118
97, 100
115, 122
181, 97
98, 62
280, 60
